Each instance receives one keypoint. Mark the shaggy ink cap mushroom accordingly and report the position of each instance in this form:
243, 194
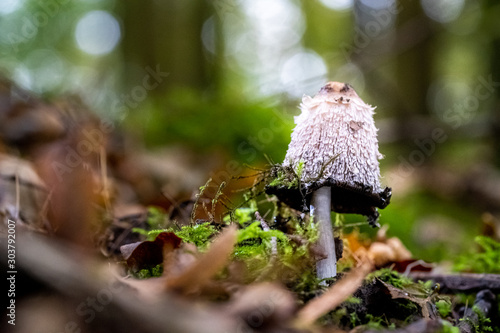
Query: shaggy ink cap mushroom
335, 144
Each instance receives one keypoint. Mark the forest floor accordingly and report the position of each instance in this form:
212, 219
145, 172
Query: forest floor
101, 237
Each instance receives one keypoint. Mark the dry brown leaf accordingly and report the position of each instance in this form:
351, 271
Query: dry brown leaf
207, 265
391, 250
150, 253
22, 188
425, 303
402, 253
381, 254
334, 296
263, 306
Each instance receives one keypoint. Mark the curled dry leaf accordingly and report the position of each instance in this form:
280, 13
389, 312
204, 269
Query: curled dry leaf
427, 308
381, 252
392, 250
150, 253
334, 296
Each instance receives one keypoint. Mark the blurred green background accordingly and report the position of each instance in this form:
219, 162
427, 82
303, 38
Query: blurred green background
225, 77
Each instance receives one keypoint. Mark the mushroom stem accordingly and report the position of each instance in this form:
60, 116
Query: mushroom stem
320, 209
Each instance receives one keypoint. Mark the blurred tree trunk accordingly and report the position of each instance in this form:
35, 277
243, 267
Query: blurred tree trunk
491, 11
413, 65
165, 35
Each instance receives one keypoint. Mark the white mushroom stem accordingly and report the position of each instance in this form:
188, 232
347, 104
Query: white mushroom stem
321, 210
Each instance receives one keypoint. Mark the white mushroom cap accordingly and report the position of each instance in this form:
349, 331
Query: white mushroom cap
335, 138
334, 144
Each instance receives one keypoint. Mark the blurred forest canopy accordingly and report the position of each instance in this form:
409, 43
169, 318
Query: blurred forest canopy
226, 76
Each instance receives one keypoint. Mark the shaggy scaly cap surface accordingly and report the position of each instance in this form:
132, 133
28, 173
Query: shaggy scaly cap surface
336, 133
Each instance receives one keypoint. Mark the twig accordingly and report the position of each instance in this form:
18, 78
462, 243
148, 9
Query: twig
18, 197
415, 264
461, 282
104, 175
216, 198
198, 196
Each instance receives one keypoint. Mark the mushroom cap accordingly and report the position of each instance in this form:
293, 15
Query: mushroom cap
335, 144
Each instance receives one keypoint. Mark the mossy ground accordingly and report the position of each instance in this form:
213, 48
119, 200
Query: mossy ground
283, 252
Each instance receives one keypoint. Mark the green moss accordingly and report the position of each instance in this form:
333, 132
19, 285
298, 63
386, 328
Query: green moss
271, 252
449, 328
156, 221
487, 260
147, 273
353, 300
444, 307
307, 286
483, 322
150, 234
391, 277
244, 215
198, 234
141, 231
368, 322
254, 231
299, 168
286, 176
157, 217
378, 323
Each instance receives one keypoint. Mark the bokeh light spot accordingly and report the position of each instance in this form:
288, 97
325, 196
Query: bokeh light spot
379, 4
338, 4
97, 32
10, 6
303, 73
443, 11
208, 34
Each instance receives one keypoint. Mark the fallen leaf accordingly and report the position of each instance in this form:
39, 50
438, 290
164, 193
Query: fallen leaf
386, 251
150, 253
424, 301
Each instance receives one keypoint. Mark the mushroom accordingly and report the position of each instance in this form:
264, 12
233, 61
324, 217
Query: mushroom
333, 155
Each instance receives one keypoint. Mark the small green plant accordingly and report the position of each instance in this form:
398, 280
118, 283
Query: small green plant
378, 323
391, 277
353, 300
483, 322
444, 307
156, 217
485, 261
156, 221
147, 273
150, 234
198, 234
448, 327
242, 215
287, 176
299, 169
